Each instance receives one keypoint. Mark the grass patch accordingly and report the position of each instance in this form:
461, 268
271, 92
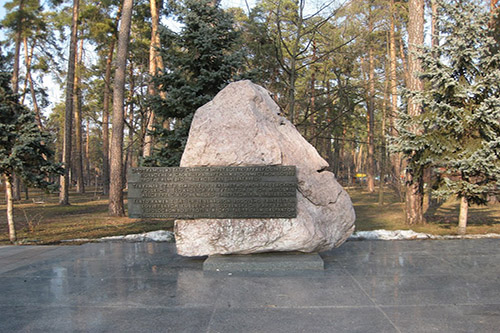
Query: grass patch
41, 220
440, 220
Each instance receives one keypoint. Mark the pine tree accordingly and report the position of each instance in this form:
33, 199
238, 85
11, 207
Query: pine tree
116, 148
461, 103
199, 61
23, 147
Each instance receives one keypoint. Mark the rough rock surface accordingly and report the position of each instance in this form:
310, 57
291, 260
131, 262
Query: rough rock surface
242, 126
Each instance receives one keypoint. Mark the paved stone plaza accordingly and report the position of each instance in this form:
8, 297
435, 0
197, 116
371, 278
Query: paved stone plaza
367, 286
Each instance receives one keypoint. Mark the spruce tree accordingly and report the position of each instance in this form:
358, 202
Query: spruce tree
23, 147
461, 103
199, 61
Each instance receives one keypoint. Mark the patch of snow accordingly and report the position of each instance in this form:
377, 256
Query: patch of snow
152, 236
75, 240
409, 235
388, 235
381, 234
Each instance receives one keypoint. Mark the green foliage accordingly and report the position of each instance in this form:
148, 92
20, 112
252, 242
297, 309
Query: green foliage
199, 61
23, 148
36, 25
459, 130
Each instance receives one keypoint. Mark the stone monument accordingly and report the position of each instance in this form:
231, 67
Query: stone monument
243, 126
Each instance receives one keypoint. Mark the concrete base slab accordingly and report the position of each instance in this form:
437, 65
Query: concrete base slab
264, 262
366, 286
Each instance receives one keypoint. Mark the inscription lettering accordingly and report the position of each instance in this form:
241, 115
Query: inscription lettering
213, 192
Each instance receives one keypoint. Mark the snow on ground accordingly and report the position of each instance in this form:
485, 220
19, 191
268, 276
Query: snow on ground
168, 236
388, 235
410, 234
152, 236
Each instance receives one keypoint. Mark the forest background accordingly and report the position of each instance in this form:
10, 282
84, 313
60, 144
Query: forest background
358, 78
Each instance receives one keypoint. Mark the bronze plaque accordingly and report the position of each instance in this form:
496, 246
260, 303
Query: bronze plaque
213, 192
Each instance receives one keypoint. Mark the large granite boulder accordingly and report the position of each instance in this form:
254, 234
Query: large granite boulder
243, 126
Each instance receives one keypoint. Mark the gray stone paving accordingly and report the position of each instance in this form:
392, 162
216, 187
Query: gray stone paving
367, 286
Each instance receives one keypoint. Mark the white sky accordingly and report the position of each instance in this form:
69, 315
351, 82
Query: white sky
237, 3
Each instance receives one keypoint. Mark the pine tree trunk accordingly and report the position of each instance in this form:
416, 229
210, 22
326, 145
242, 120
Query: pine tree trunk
414, 213
116, 207
395, 157
370, 163
131, 121
315, 117
404, 63
17, 51
10, 209
291, 91
77, 106
358, 161
16, 188
414, 178
27, 59
346, 160
87, 152
105, 120
153, 69
15, 182
428, 175
130, 114
293, 64
68, 113
382, 136
105, 112
462, 218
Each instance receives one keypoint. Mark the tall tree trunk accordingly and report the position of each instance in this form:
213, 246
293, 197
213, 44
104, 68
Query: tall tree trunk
414, 181
17, 50
116, 207
315, 117
131, 121
130, 114
382, 137
404, 62
291, 91
68, 113
370, 162
105, 112
395, 157
462, 217
28, 56
77, 106
105, 120
358, 161
10, 209
294, 54
15, 84
343, 157
153, 69
87, 152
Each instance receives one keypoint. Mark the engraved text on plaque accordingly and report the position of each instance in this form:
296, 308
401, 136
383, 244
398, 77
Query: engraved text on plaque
213, 192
